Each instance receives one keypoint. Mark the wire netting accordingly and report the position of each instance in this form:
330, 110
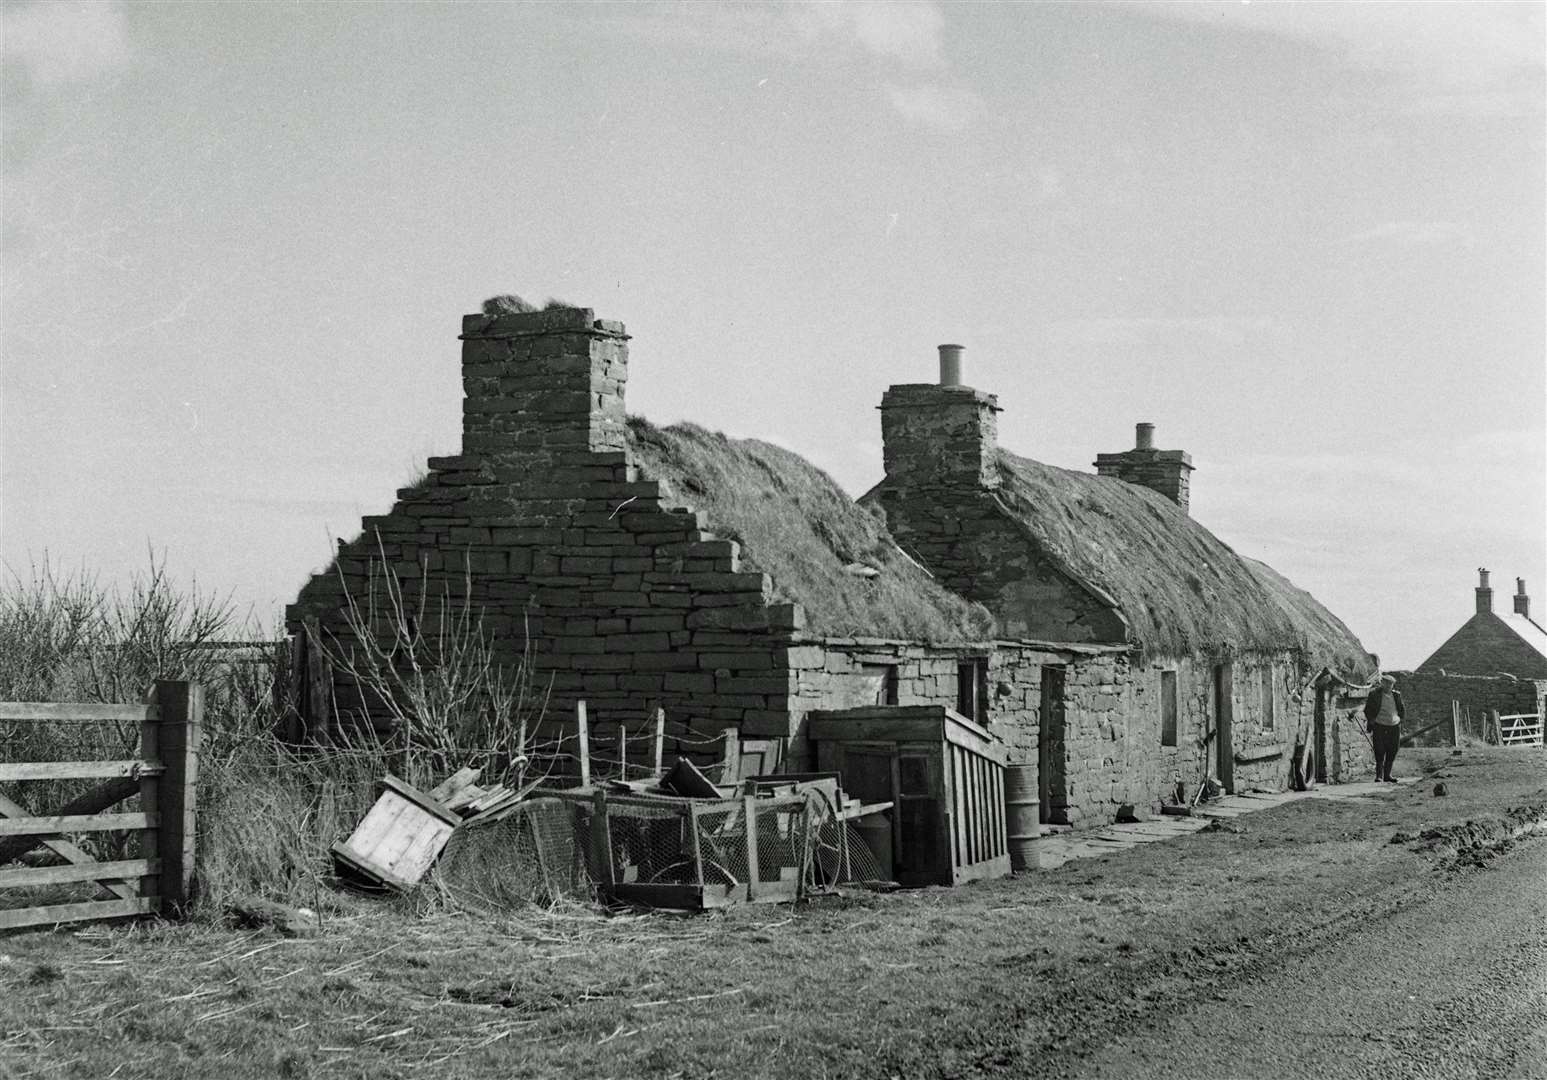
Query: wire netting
545, 849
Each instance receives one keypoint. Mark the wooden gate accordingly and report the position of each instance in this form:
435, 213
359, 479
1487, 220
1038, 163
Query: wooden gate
164, 775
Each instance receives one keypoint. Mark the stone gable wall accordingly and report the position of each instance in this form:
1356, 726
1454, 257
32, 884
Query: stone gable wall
1486, 646
623, 601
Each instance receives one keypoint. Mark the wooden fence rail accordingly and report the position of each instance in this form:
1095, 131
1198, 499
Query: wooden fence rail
165, 776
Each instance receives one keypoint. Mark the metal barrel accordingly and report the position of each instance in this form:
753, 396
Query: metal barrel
1022, 815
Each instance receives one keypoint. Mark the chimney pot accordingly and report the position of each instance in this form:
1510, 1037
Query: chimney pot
1484, 593
951, 365
1522, 601
1482, 578
1144, 437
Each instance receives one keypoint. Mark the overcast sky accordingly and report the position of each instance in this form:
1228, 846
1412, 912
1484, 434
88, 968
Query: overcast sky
1306, 241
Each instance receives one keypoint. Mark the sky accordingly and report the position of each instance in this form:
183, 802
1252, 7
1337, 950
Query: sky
1306, 241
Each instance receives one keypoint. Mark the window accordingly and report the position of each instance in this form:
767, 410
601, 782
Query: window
972, 689
1269, 707
1168, 708
882, 681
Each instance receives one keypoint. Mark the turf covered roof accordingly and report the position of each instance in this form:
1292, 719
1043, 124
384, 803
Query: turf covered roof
1181, 588
798, 526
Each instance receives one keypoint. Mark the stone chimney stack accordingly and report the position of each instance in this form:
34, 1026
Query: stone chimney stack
1166, 471
943, 434
1522, 601
1484, 593
543, 384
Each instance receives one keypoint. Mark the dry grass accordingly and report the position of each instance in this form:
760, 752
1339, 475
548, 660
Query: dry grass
798, 526
1182, 589
1021, 977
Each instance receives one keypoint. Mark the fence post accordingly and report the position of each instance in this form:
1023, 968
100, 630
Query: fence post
179, 724
582, 731
1455, 722
660, 736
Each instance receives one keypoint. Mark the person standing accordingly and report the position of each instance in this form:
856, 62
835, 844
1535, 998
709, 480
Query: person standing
1383, 713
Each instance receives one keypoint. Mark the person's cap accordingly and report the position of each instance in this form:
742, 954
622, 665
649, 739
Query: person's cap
1388, 680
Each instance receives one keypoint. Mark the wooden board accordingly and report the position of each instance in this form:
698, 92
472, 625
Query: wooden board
76, 823
78, 770
71, 712
19, 918
96, 871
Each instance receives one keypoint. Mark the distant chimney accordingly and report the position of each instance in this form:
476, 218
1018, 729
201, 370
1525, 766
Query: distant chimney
542, 385
1522, 601
951, 365
1484, 593
941, 434
1166, 471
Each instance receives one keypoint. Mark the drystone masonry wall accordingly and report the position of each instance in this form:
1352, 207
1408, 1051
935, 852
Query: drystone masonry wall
544, 527
1427, 698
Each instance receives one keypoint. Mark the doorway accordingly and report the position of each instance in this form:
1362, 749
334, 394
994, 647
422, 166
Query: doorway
1051, 757
1224, 743
1319, 736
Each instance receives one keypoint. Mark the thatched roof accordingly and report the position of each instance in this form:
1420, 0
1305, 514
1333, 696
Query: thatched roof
798, 526
1180, 587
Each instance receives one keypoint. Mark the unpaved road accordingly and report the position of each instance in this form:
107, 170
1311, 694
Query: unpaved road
1451, 984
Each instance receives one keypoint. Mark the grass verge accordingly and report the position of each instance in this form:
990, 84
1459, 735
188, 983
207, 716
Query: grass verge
1018, 977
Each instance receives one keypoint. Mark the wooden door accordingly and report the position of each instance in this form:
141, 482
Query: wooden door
1051, 759
1224, 743
1319, 736
922, 856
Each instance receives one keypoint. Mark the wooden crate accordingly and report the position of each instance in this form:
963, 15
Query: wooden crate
399, 837
945, 775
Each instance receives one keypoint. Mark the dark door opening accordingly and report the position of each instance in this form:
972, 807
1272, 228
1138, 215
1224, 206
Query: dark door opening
1224, 744
1319, 736
1052, 783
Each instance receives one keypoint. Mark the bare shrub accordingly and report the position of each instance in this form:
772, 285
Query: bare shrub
432, 685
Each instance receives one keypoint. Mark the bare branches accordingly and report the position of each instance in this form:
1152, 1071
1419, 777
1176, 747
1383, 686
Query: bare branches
431, 675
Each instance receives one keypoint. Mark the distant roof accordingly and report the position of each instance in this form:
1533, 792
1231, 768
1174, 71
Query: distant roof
1180, 587
1528, 631
797, 525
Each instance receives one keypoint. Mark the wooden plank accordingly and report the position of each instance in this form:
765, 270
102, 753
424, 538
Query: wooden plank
68, 851
601, 839
76, 823
462, 778
660, 737
749, 805
71, 712
60, 875
78, 770
53, 914
583, 732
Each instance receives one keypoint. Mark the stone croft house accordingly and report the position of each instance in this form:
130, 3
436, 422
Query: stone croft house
1086, 620
1495, 662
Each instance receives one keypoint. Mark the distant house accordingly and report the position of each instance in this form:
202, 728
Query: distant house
1088, 624
1489, 643
1495, 663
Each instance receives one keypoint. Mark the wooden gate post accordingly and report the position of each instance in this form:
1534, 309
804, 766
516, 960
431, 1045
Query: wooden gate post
179, 724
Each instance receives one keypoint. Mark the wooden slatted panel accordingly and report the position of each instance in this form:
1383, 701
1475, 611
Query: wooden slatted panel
95, 871
75, 823
78, 770
19, 918
958, 777
73, 712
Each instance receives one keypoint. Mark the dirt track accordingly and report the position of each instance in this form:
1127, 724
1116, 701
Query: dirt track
1451, 984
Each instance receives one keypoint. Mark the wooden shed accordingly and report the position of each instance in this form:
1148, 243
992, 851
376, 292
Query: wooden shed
943, 773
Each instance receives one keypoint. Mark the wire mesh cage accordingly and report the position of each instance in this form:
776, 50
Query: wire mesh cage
658, 852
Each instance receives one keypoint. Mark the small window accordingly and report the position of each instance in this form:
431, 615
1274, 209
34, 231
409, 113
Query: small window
972, 689
1168, 708
1269, 707
882, 678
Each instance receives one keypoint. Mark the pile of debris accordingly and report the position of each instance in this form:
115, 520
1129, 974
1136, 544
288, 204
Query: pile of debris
673, 839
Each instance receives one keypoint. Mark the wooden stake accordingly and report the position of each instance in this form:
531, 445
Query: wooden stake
623, 749
749, 805
585, 744
660, 737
